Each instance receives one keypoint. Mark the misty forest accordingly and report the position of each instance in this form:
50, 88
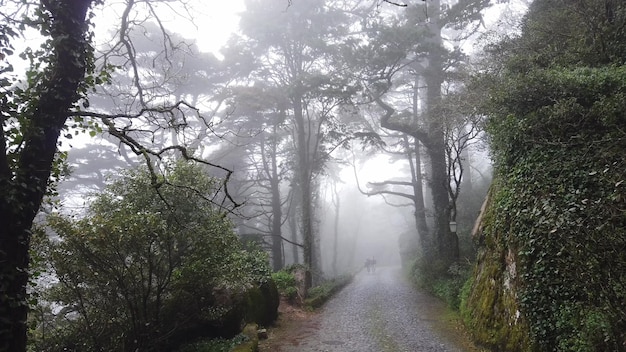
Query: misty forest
160, 195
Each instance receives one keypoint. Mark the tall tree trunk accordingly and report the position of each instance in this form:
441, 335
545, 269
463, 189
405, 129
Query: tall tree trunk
277, 212
304, 178
22, 189
277, 239
337, 204
293, 226
467, 184
415, 163
447, 247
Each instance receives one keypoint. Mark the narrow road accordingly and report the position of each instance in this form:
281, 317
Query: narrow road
377, 312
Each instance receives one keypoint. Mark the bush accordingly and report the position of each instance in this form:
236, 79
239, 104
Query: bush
445, 283
286, 284
214, 345
144, 269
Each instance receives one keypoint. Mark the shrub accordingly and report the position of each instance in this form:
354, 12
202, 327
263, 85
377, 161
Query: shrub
214, 345
445, 283
145, 269
286, 283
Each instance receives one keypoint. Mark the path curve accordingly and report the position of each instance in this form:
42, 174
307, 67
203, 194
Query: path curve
376, 312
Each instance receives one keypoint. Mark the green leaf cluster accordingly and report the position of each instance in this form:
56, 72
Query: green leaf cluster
557, 119
148, 266
286, 284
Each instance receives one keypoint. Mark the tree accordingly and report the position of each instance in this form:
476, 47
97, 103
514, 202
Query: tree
297, 50
29, 143
128, 270
410, 188
266, 144
53, 99
395, 53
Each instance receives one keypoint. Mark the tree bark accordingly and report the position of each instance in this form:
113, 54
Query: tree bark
293, 226
304, 178
337, 204
415, 162
447, 247
23, 185
277, 210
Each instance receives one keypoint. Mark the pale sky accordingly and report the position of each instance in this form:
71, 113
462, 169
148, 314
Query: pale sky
209, 22
215, 21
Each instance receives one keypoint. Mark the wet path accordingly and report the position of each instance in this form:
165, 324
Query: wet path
377, 312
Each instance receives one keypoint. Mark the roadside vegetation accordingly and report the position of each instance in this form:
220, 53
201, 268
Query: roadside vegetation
148, 268
289, 287
318, 295
549, 271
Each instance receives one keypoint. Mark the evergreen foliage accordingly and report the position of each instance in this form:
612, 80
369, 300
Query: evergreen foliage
286, 284
555, 229
149, 268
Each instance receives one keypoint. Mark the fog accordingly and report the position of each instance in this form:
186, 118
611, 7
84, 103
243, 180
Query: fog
361, 194
366, 227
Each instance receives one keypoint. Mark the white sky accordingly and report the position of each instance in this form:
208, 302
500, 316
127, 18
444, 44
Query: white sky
210, 22
215, 21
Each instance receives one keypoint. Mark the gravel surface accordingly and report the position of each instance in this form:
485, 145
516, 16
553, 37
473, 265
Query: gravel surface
377, 312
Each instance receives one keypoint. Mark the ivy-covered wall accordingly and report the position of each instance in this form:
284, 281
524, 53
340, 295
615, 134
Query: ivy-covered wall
551, 274
551, 271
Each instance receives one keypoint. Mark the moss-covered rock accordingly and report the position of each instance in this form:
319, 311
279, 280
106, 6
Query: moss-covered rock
262, 303
489, 304
318, 295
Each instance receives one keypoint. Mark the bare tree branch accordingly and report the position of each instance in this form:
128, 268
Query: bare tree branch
396, 3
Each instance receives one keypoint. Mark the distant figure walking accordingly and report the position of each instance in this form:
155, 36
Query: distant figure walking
368, 265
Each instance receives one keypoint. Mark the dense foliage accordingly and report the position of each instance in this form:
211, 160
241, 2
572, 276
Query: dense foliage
148, 268
562, 169
555, 226
286, 284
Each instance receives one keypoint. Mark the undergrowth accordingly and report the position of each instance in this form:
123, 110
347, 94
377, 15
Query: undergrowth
214, 345
286, 284
443, 282
318, 295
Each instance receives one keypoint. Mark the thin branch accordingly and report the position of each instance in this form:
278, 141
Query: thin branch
396, 3
391, 182
392, 193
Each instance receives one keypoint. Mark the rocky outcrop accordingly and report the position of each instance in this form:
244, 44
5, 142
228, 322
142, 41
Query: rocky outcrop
261, 304
491, 310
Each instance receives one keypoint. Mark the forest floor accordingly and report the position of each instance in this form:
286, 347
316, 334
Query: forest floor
408, 320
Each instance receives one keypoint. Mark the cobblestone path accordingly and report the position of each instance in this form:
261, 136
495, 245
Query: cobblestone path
377, 312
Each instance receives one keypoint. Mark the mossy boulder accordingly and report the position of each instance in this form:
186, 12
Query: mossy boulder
258, 304
489, 305
318, 295
261, 303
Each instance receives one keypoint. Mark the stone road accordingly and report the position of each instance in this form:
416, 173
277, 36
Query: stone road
377, 312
